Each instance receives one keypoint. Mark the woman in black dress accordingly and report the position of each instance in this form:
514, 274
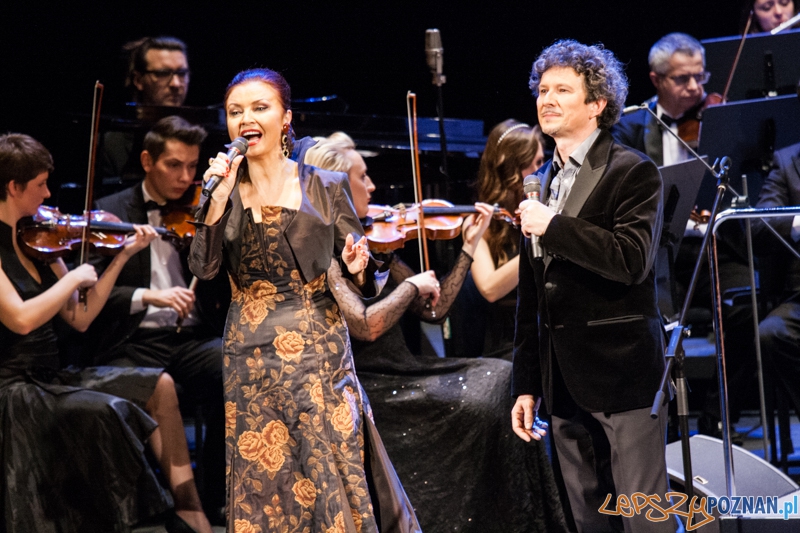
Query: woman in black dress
72, 441
443, 420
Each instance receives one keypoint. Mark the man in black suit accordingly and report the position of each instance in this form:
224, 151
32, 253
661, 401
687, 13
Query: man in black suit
151, 319
678, 72
780, 330
589, 339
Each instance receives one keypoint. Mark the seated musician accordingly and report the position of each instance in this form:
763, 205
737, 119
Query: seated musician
780, 330
139, 326
73, 440
767, 14
157, 75
441, 419
677, 71
483, 324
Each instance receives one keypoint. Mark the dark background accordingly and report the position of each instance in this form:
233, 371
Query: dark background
368, 53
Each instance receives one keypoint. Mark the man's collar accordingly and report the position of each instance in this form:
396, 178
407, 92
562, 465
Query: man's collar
578, 155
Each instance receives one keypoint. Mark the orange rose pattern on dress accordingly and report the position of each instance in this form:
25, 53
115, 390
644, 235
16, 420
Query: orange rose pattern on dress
289, 346
305, 492
288, 380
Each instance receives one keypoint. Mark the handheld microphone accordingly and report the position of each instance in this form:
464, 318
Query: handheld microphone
434, 55
237, 147
533, 189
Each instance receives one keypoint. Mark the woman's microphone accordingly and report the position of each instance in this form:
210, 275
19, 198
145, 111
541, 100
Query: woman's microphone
235, 148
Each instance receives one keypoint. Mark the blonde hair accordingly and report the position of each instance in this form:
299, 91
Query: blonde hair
330, 153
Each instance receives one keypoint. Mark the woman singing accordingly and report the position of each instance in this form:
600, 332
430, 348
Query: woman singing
303, 454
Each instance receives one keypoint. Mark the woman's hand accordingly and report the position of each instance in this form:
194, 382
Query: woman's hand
85, 276
141, 239
474, 227
219, 167
355, 254
427, 285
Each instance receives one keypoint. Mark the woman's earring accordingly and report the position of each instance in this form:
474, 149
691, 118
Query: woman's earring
285, 145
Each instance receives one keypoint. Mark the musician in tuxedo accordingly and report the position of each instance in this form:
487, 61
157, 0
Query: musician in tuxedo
678, 72
157, 75
780, 330
589, 339
153, 318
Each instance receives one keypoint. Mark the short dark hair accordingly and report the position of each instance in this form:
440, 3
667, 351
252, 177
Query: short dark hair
136, 51
172, 128
603, 76
22, 158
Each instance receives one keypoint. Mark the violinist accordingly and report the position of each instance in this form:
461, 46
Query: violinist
73, 439
513, 150
677, 64
456, 407
677, 71
153, 318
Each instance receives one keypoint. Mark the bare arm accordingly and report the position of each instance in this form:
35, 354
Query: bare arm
493, 282
23, 316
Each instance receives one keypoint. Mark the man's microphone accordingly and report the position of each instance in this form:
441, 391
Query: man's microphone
235, 148
434, 55
533, 189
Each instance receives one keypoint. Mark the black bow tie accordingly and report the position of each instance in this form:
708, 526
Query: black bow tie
150, 205
668, 120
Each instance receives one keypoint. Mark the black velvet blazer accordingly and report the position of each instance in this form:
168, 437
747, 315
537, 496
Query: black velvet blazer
591, 303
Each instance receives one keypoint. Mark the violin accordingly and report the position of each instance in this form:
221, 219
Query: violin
179, 215
689, 126
50, 234
388, 228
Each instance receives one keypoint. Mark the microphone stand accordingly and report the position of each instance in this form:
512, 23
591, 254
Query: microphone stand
439, 80
675, 353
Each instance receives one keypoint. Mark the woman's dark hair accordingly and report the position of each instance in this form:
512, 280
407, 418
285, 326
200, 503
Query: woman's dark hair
22, 158
274, 80
511, 148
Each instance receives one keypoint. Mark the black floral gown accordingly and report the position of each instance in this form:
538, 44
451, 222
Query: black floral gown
296, 414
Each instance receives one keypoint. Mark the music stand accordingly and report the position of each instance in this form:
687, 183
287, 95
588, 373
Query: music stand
768, 65
749, 131
681, 184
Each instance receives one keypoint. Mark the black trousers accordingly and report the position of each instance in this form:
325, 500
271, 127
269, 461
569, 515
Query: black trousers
193, 358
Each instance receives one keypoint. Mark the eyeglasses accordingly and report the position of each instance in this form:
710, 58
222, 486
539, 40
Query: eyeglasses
683, 79
165, 74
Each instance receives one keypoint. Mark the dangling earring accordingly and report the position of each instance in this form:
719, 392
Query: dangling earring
285, 141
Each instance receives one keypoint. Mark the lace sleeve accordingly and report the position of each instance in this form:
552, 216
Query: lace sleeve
368, 322
450, 287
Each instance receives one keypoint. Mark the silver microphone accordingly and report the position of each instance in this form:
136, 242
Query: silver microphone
237, 147
434, 54
533, 189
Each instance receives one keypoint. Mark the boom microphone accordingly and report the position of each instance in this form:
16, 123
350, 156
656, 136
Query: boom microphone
533, 189
434, 55
237, 147
632, 108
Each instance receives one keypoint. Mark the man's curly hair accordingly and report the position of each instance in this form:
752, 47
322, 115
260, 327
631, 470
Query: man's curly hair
602, 73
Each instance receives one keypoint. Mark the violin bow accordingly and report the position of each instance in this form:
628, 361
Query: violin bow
84, 256
413, 138
737, 56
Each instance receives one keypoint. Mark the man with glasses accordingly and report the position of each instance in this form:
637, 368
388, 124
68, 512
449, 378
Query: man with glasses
158, 75
158, 71
677, 70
